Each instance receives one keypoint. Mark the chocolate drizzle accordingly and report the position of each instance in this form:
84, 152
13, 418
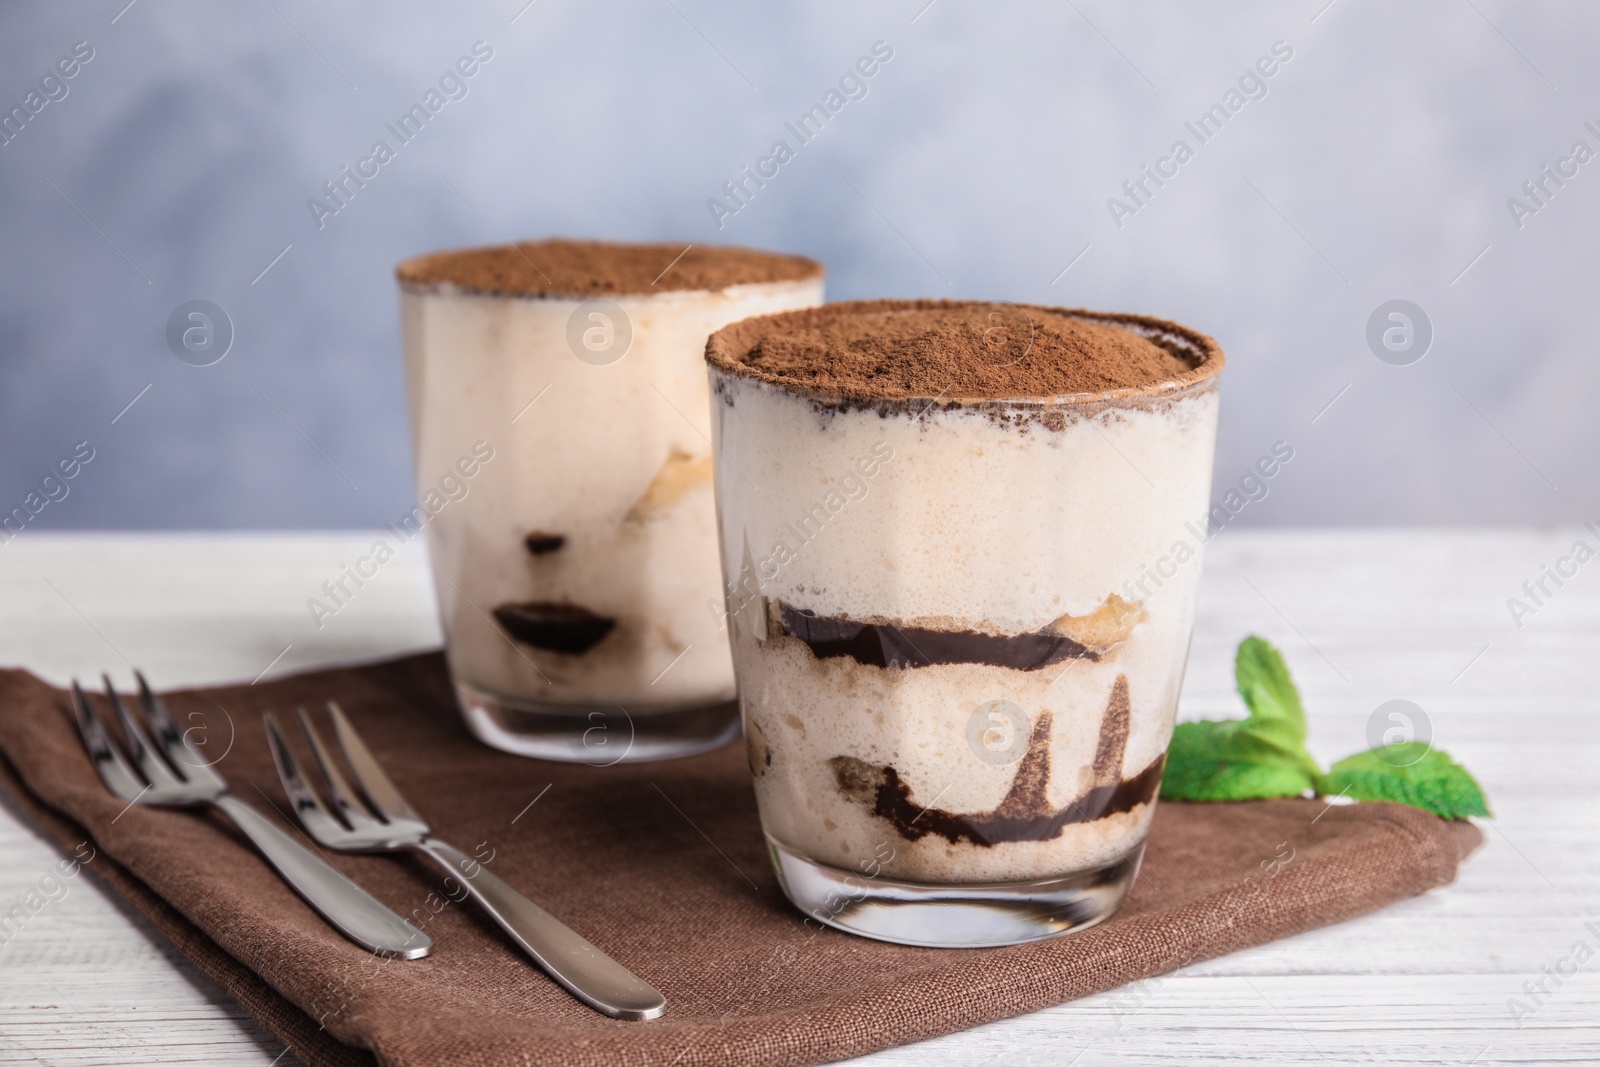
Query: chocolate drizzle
566, 628
888, 645
1025, 813
1113, 737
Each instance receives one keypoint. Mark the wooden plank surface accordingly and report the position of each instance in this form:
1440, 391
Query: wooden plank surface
1364, 617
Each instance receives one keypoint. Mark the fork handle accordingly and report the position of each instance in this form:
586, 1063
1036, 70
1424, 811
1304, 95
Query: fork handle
586, 972
356, 913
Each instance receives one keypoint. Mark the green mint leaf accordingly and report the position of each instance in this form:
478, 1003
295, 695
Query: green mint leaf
1224, 761
1276, 715
1409, 773
1263, 755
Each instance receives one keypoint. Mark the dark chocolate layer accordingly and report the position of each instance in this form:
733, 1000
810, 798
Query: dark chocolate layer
538, 544
888, 645
566, 628
1025, 813
893, 802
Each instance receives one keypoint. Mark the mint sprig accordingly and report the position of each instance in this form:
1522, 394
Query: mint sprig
1264, 754
1408, 773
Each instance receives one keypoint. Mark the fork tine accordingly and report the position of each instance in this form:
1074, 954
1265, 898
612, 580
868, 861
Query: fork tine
151, 765
344, 798
174, 742
314, 815
113, 769
381, 792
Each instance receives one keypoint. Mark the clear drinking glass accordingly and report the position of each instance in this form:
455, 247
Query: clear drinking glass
560, 431
960, 627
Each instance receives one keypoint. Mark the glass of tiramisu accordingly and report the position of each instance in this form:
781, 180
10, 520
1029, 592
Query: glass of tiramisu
960, 542
561, 440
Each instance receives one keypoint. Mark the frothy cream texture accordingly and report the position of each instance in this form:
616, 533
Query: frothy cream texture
971, 523
614, 458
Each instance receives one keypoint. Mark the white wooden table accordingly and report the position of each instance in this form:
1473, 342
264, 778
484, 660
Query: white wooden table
1363, 617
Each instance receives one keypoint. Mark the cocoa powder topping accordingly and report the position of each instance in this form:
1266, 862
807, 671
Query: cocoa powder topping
899, 350
598, 268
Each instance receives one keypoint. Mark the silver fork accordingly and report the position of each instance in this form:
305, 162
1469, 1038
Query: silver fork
178, 776
386, 823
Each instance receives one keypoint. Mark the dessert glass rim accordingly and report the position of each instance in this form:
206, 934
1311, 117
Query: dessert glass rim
726, 347
808, 270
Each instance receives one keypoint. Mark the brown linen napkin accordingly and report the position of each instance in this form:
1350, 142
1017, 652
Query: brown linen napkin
663, 866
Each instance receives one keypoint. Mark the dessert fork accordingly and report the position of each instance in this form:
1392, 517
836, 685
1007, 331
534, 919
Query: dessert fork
385, 822
179, 777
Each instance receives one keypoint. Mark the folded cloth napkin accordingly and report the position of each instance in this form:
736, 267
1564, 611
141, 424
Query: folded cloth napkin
663, 866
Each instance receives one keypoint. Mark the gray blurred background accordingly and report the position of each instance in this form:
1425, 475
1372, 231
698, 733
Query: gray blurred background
1377, 166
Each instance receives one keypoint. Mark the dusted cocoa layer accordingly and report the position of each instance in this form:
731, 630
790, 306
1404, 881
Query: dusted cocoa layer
922, 352
599, 268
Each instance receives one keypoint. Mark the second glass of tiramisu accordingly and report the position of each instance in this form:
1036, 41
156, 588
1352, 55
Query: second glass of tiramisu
961, 551
561, 438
